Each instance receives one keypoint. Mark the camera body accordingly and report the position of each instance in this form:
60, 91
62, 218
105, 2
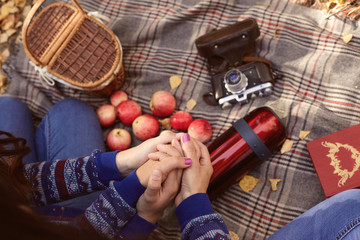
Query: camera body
237, 75
240, 84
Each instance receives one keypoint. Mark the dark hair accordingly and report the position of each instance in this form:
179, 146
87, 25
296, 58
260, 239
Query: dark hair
17, 220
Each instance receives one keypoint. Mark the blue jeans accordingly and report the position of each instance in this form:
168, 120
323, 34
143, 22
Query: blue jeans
337, 217
70, 129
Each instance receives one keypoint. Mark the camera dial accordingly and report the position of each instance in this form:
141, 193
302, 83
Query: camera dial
235, 81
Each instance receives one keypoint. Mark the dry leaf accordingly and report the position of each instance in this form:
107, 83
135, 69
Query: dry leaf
20, 3
233, 236
190, 104
13, 10
165, 123
287, 145
8, 22
347, 37
248, 183
303, 134
175, 81
5, 9
26, 11
3, 37
274, 183
10, 32
277, 32
5, 54
3, 84
19, 24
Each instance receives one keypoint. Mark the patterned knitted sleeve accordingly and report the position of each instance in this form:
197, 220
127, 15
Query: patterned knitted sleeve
198, 220
60, 180
115, 207
210, 226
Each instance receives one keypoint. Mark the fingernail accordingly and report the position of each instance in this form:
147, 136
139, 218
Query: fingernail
156, 175
186, 138
188, 161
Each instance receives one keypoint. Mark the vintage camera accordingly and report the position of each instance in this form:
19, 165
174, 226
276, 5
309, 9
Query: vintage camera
237, 74
240, 84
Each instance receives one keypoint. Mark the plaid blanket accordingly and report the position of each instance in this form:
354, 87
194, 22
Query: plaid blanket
319, 91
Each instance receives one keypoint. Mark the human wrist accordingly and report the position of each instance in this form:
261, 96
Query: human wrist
150, 217
123, 161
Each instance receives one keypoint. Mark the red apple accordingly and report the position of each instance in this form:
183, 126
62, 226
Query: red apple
118, 139
145, 126
201, 130
106, 114
117, 97
181, 120
162, 104
127, 111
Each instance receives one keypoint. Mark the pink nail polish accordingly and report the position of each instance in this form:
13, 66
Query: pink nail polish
186, 137
188, 161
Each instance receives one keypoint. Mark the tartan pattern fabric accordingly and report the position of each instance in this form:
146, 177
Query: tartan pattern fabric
64, 178
318, 91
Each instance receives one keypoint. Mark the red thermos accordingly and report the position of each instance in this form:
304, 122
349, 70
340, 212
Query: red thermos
248, 142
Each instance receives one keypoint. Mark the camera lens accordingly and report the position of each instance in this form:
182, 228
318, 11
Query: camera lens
235, 81
233, 76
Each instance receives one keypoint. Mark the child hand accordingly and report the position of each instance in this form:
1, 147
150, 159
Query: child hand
165, 166
133, 158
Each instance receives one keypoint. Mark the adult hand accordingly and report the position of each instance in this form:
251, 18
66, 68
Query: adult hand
157, 196
195, 179
133, 158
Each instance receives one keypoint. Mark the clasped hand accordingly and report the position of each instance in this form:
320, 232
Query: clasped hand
175, 167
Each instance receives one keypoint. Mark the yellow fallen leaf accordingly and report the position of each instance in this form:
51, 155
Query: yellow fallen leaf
8, 22
175, 81
248, 183
5, 53
4, 37
303, 134
165, 123
287, 145
5, 9
26, 11
277, 32
347, 37
274, 183
11, 32
233, 236
20, 3
3, 84
190, 104
13, 10
19, 24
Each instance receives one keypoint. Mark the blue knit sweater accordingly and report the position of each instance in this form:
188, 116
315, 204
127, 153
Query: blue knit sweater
113, 214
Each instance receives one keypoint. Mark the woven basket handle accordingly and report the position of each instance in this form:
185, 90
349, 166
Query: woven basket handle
30, 16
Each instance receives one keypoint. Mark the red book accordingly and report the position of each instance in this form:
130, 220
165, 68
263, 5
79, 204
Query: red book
336, 159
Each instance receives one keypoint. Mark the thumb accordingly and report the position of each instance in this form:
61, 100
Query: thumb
154, 185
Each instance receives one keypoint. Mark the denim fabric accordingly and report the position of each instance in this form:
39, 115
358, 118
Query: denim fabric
15, 117
337, 218
70, 129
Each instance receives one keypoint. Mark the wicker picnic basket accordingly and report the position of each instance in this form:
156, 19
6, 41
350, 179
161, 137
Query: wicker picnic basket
66, 45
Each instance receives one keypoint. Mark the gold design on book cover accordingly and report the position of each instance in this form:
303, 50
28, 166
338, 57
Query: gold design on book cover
334, 148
